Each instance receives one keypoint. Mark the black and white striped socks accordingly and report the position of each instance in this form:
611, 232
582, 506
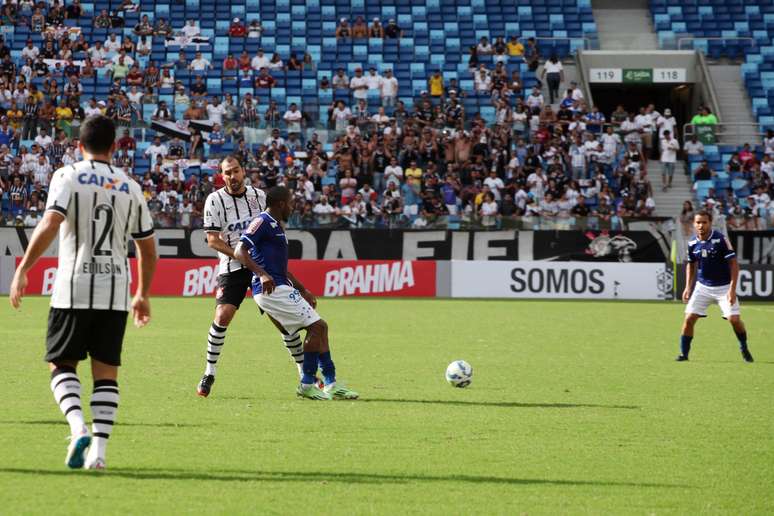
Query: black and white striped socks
67, 392
295, 347
104, 406
215, 340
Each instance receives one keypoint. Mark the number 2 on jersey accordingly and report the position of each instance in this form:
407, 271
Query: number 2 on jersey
103, 215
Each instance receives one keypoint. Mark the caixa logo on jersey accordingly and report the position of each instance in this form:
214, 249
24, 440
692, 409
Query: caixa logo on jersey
104, 182
240, 225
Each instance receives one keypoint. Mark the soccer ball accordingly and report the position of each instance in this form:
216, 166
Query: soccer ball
459, 373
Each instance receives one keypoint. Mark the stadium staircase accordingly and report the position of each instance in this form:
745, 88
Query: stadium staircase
669, 203
624, 25
734, 103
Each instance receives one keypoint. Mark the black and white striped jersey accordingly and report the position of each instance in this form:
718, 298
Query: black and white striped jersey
229, 215
103, 208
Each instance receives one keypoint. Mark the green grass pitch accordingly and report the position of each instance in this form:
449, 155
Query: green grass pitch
575, 408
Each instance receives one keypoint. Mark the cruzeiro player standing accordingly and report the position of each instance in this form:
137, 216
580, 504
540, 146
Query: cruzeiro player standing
227, 212
96, 209
712, 264
263, 248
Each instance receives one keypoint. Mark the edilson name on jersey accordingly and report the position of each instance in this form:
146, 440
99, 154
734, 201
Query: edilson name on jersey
101, 268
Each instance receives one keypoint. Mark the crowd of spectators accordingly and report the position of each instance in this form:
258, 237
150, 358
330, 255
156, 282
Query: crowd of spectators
532, 160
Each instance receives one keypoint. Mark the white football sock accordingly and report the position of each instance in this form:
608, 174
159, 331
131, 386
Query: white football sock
67, 392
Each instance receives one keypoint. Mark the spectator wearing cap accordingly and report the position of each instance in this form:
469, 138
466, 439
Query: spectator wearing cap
359, 85
343, 30
388, 89
392, 30
376, 30
359, 28
666, 122
237, 29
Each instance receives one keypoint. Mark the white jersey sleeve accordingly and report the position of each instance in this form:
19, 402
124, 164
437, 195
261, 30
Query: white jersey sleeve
140, 221
60, 191
213, 218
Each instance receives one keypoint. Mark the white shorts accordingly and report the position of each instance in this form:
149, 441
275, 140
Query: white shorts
703, 296
286, 306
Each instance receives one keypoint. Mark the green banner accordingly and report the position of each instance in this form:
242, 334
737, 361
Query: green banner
637, 76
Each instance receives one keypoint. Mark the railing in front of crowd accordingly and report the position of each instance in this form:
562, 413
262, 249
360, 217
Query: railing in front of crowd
708, 83
586, 41
725, 133
694, 39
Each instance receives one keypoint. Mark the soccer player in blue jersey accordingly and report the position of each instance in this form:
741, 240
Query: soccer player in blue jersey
712, 265
263, 248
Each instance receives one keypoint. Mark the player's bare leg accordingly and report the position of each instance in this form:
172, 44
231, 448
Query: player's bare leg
66, 387
686, 336
104, 406
741, 335
216, 337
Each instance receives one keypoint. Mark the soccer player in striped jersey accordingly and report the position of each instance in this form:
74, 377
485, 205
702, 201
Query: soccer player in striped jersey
96, 209
263, 249
227, 212
712, 264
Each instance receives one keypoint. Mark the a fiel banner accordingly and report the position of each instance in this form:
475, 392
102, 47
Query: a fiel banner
567, 280
198, 277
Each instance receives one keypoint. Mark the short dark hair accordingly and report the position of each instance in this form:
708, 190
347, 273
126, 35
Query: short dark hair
97, 134
277, 194
703, 213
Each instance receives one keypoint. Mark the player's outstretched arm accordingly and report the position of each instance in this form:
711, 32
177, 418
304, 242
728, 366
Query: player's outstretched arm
44, 234
146, 267
242, 255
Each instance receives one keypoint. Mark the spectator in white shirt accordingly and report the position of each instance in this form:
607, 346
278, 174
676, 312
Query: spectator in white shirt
359, 85
30, 51
199, 64
112, 44
393, 173
388, 89
646, 124
694, 147
669, 148
43, 139
484, 48
495, 184
215, 111
535, 100
553, 73
373, 79
41, 170
293, 118
191, 30
259, 61
481, 80
666, 122
577, 94
155, 150
631, 131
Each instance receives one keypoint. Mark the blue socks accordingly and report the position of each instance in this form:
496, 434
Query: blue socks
742, 337
327, 367
685, 345
310, 367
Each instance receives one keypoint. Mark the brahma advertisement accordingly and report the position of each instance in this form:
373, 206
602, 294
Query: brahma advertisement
329, 278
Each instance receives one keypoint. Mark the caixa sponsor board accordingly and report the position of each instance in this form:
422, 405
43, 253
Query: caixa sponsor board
568, 280
330, 278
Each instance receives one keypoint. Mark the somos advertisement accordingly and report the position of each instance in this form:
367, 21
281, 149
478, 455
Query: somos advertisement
331, 278
567, 280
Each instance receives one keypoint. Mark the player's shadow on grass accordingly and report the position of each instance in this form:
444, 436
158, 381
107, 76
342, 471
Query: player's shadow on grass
60, 422
324, 477
501, 404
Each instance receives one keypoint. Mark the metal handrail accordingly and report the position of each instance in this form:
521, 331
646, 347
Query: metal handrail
715, 38
713, 98
755, 133
583, 78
